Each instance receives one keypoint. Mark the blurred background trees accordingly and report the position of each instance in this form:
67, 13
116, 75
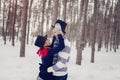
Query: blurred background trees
90, 22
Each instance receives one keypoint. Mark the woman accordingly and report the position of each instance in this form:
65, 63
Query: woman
46, 53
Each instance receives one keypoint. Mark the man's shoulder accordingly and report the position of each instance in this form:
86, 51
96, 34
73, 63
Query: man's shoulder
67, 49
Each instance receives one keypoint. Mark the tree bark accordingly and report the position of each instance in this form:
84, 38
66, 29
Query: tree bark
43, 12
55, 11
23, 32
64, 9
48, 24
106, 26
0, 6
93, 33
81, 41
14, 22
116, 26
3, 28
28, 27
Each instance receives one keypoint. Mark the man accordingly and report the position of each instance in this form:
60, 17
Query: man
59, 69
57, 28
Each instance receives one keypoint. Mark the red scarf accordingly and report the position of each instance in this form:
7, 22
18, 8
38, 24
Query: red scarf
43, 52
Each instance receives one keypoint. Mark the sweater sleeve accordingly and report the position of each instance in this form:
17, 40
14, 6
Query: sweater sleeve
60, 46
62, 63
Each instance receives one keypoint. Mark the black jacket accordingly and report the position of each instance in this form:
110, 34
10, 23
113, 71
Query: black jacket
47, 61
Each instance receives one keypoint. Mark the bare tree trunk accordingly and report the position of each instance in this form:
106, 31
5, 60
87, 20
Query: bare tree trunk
64, 9
99, 33
111, 25
93, 33
116, 26
43, 12
3, 28
4, 37
28, 30
14, 21
19, 22
106, 25
48, 12
55, 11
23, 32
82, 37
9, 21
79, 56
0, 6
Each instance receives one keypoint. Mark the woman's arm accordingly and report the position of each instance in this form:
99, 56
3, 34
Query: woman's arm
60, 46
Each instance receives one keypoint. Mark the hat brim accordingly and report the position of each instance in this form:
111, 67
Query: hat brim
45, 38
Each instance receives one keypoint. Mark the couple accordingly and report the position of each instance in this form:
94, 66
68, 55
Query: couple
54, 56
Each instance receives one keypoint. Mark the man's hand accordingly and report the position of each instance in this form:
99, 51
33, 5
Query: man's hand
50, 69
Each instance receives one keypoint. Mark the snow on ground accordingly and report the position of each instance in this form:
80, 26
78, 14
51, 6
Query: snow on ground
106, 66
12, 67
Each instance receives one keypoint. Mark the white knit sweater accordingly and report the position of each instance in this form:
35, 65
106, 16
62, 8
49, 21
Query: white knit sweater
60, 68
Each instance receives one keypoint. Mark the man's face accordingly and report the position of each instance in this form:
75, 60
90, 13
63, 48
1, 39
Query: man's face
54, 32
47, 42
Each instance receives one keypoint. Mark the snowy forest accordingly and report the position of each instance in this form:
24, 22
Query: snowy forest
89, 22
94, 24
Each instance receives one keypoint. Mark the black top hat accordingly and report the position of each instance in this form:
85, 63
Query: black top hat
40, 41
63, 25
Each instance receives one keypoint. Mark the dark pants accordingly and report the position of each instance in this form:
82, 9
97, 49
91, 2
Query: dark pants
61, 77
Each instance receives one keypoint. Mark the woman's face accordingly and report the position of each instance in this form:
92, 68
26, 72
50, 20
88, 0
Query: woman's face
47, 42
